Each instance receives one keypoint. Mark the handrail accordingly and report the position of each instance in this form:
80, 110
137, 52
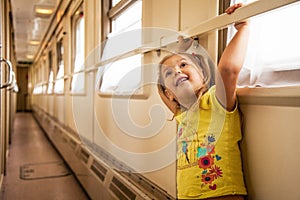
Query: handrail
247, 11
218, 22
10, 76
14, 86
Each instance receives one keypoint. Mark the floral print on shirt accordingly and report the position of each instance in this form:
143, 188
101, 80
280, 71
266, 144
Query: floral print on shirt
207, 161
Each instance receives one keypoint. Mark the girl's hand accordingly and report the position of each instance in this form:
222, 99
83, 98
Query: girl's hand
232, 8
183, 44
240, 24
231, 63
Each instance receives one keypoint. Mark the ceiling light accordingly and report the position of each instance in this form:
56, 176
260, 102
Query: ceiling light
29, 56
43, 10
34, 42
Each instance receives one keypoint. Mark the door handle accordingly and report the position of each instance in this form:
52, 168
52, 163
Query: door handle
10, 76
14, 86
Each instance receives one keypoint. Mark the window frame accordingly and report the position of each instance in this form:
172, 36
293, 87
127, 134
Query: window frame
110, 13
269, 96
50, 80
262, 73
75, 16
60, 57
37, 79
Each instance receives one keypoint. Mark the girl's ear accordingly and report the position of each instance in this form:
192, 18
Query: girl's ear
169, 94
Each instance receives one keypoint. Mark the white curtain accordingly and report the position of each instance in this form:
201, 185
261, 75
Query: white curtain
273, 56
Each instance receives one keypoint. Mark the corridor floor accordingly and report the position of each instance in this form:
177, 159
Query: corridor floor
34, 169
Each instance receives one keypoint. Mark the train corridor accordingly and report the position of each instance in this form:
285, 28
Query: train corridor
34, 169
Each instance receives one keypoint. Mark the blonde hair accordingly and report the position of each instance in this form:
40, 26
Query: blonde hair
203, 63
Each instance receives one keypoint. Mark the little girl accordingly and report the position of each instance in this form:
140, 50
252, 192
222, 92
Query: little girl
208, 157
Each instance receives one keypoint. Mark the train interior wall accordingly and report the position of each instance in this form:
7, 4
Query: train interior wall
92, 116
84, 130
269, 147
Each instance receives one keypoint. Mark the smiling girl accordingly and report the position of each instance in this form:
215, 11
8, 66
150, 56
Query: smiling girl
206, 110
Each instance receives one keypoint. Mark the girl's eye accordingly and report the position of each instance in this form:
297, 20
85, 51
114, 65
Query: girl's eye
183, 64
168, 73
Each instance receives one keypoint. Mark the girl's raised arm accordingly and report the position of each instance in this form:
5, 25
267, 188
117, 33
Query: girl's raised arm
231, 63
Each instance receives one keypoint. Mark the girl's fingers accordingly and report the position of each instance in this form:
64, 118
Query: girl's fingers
232, 8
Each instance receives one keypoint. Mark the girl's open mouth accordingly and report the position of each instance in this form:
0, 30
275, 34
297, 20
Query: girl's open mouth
181, 80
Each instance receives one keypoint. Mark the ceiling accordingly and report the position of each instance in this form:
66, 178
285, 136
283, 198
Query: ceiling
30, 26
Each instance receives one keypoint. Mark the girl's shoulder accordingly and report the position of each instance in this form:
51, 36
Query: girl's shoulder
206, 98
210, 101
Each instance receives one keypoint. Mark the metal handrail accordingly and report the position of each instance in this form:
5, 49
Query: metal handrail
14, 86
214, 23
9, 82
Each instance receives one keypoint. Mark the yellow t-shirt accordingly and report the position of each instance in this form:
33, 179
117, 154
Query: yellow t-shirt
208, 155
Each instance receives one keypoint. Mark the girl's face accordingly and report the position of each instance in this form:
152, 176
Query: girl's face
182, 79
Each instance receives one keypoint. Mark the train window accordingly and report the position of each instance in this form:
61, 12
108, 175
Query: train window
37, 75
125, 79
51, 74
130, 19
78, 79
115, 2
123, 76
59, 83
44, 88
38, 89
272, 59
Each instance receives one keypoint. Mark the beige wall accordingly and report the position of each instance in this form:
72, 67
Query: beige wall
271, 142
271, 133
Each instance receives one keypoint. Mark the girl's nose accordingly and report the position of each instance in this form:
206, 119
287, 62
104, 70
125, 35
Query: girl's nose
178, 70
